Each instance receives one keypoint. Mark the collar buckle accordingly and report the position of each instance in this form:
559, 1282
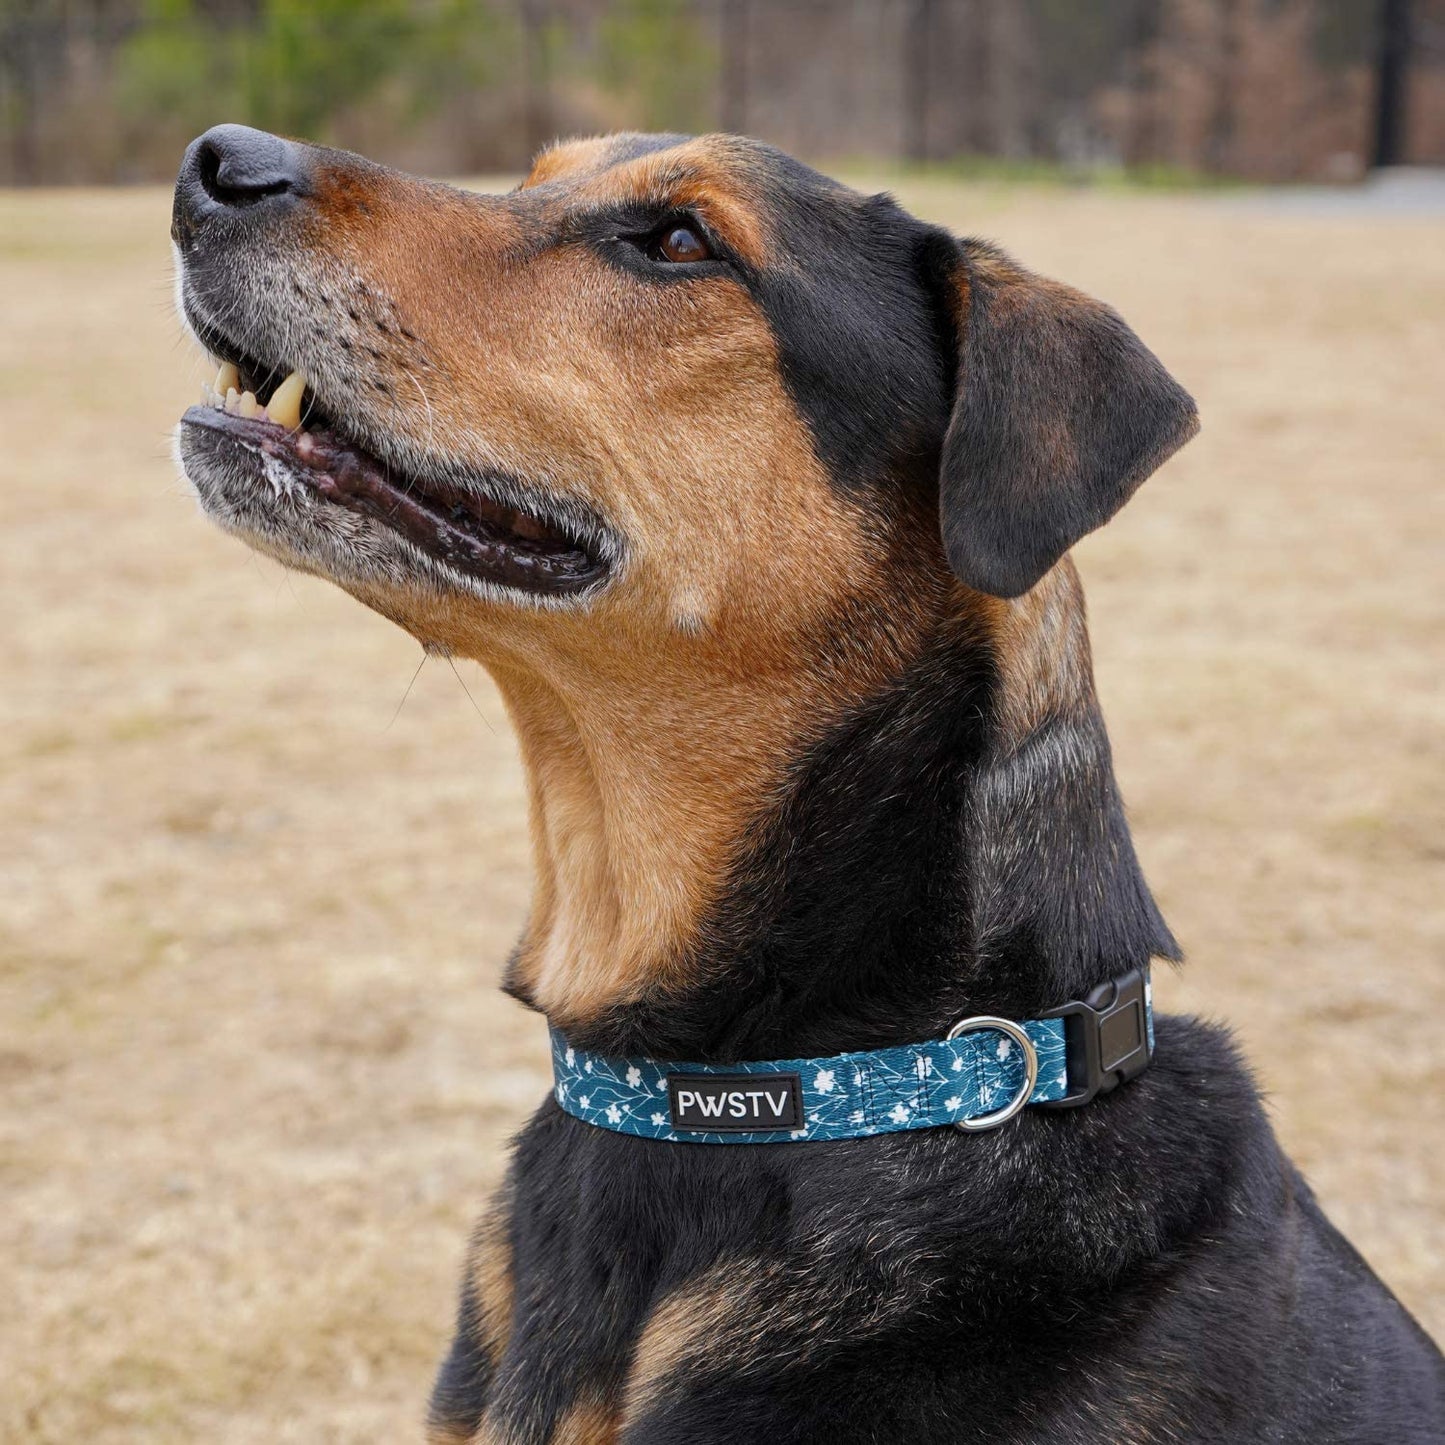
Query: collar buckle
1108, 1038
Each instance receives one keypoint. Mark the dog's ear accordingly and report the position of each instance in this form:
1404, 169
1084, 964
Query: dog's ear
1059, 413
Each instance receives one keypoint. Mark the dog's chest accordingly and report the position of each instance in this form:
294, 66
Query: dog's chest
609, 1272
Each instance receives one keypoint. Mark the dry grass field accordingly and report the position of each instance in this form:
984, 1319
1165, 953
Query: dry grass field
254, 1074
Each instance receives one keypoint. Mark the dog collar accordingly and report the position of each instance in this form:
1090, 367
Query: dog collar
982, 1074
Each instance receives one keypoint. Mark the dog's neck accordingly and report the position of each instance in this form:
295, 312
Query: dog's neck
954, 843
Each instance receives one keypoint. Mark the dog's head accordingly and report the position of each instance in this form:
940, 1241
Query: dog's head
688, 443
690, 384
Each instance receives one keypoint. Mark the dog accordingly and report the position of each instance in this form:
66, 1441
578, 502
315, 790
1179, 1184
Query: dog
755, 495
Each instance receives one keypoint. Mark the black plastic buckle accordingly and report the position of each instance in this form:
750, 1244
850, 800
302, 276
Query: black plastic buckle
1106, 1037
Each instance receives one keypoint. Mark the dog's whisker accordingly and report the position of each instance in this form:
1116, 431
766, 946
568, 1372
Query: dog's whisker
451, 663
411, 684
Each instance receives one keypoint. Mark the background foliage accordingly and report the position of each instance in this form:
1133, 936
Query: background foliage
105, 90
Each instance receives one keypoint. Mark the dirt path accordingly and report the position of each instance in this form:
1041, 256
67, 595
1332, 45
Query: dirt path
254, 1077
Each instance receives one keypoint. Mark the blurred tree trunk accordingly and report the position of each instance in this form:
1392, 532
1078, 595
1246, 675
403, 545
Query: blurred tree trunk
1226, 89
976, 73
1010, 101
1141, 139
534, 75
23, 35
916, 55
1392, 79
734, 79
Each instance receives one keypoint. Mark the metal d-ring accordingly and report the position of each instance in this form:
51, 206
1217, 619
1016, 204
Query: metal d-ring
1031, 1070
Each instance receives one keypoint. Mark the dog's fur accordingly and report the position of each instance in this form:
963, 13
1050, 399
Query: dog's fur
817, 765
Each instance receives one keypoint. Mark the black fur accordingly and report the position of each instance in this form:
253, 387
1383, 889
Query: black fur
1061, 414
1146, 1268
860, 339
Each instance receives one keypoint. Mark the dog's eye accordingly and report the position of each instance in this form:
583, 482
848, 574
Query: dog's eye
682, 244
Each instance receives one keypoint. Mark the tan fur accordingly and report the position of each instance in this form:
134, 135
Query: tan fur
683, 1322
643, 777
587, 1423
487, 1433
705, 175
489, 1275
570, 158
755, 604
445, 1435
740, 1310
1041, 643
490, 1283
727, 217
638, 805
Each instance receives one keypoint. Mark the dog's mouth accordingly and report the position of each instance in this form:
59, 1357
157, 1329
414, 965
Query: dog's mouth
266, 422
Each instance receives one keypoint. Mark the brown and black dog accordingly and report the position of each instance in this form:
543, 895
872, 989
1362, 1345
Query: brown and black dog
754, 496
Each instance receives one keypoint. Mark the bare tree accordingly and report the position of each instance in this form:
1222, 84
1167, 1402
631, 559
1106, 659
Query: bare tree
1392, 79
1141, 143
533, 16
1222, 122
32, 41
733, 81
916, 55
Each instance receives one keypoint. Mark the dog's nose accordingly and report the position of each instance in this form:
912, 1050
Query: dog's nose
234, 171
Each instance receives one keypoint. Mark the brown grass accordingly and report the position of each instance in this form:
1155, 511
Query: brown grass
256, 1078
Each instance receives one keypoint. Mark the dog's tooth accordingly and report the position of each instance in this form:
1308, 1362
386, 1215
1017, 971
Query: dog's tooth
249, 406
284, 408
227, 379
233, 401
305, 446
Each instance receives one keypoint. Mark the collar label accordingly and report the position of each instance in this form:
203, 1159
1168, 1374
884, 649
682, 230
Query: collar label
735, 1103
